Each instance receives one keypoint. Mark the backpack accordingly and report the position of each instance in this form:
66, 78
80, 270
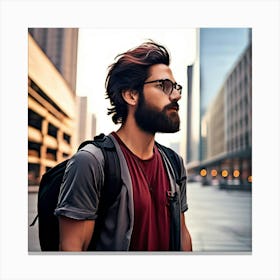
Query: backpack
49, 188
50, 183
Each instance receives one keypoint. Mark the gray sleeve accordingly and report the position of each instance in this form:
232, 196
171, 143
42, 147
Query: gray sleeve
183, 188
80, 189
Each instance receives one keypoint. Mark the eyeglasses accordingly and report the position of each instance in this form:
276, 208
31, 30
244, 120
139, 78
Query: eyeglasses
167, 86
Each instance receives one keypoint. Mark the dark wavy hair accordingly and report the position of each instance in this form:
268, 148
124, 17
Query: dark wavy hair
129, 72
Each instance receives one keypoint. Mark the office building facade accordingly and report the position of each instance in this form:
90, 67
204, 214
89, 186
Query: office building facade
193, 112
60, 45
51, 110
86, 121
226, 132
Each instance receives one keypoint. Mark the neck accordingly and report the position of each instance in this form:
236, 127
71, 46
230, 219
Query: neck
141, 143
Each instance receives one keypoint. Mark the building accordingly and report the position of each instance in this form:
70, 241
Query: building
219, 133
193, 112
86, 121
227, 129
213, 127
51, 105
239, 104
60, 46
238, 114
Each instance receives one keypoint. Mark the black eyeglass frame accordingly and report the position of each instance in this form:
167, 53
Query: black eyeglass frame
174, 85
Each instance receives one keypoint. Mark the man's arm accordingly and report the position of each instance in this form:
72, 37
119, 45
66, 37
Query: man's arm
186, 241
75, 235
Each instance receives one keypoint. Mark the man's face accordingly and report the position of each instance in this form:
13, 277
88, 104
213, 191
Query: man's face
156, 111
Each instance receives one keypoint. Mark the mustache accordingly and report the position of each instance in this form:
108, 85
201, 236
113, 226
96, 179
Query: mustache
172, 105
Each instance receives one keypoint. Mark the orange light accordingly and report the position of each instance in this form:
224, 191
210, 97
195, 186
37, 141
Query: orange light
236, 173
224, 173
250, 179
214, 172
203, 172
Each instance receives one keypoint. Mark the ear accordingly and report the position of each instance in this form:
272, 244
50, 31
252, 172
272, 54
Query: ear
131, 97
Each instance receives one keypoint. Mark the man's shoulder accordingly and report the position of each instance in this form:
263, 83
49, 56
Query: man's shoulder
89, 153
102, 149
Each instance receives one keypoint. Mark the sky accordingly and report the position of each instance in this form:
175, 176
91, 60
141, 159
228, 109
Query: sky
219, 51
97, 49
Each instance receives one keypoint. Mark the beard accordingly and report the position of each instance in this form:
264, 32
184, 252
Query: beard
151, 120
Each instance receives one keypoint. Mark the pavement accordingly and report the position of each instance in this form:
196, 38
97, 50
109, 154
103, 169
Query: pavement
219, 221
33, 238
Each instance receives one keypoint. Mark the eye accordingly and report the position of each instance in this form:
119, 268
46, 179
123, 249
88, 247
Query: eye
160, 85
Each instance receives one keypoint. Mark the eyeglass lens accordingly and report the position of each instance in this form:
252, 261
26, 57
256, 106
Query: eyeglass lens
168, 87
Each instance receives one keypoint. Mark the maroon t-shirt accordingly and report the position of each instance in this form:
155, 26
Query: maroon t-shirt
151, 230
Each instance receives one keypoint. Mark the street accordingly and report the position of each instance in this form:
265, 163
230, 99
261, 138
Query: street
218, 220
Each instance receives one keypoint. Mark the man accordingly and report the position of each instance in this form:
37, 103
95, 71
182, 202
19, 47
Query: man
144, 95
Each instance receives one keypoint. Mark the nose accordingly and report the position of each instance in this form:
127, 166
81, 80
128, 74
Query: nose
175, 95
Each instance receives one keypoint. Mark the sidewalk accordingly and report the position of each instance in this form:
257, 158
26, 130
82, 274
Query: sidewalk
219, 220
33, 238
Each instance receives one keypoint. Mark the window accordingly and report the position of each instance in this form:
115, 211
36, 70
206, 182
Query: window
51, 154
67, 138
52, 130
33, 174
34, 119
34, 149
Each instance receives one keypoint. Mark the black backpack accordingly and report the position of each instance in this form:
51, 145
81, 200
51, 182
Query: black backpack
49, 188
50, 183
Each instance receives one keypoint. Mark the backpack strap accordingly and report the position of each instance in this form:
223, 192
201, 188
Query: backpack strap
112, 183
175, 163
175, 223
112, 170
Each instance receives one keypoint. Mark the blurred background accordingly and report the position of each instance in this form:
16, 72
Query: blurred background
67, 69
